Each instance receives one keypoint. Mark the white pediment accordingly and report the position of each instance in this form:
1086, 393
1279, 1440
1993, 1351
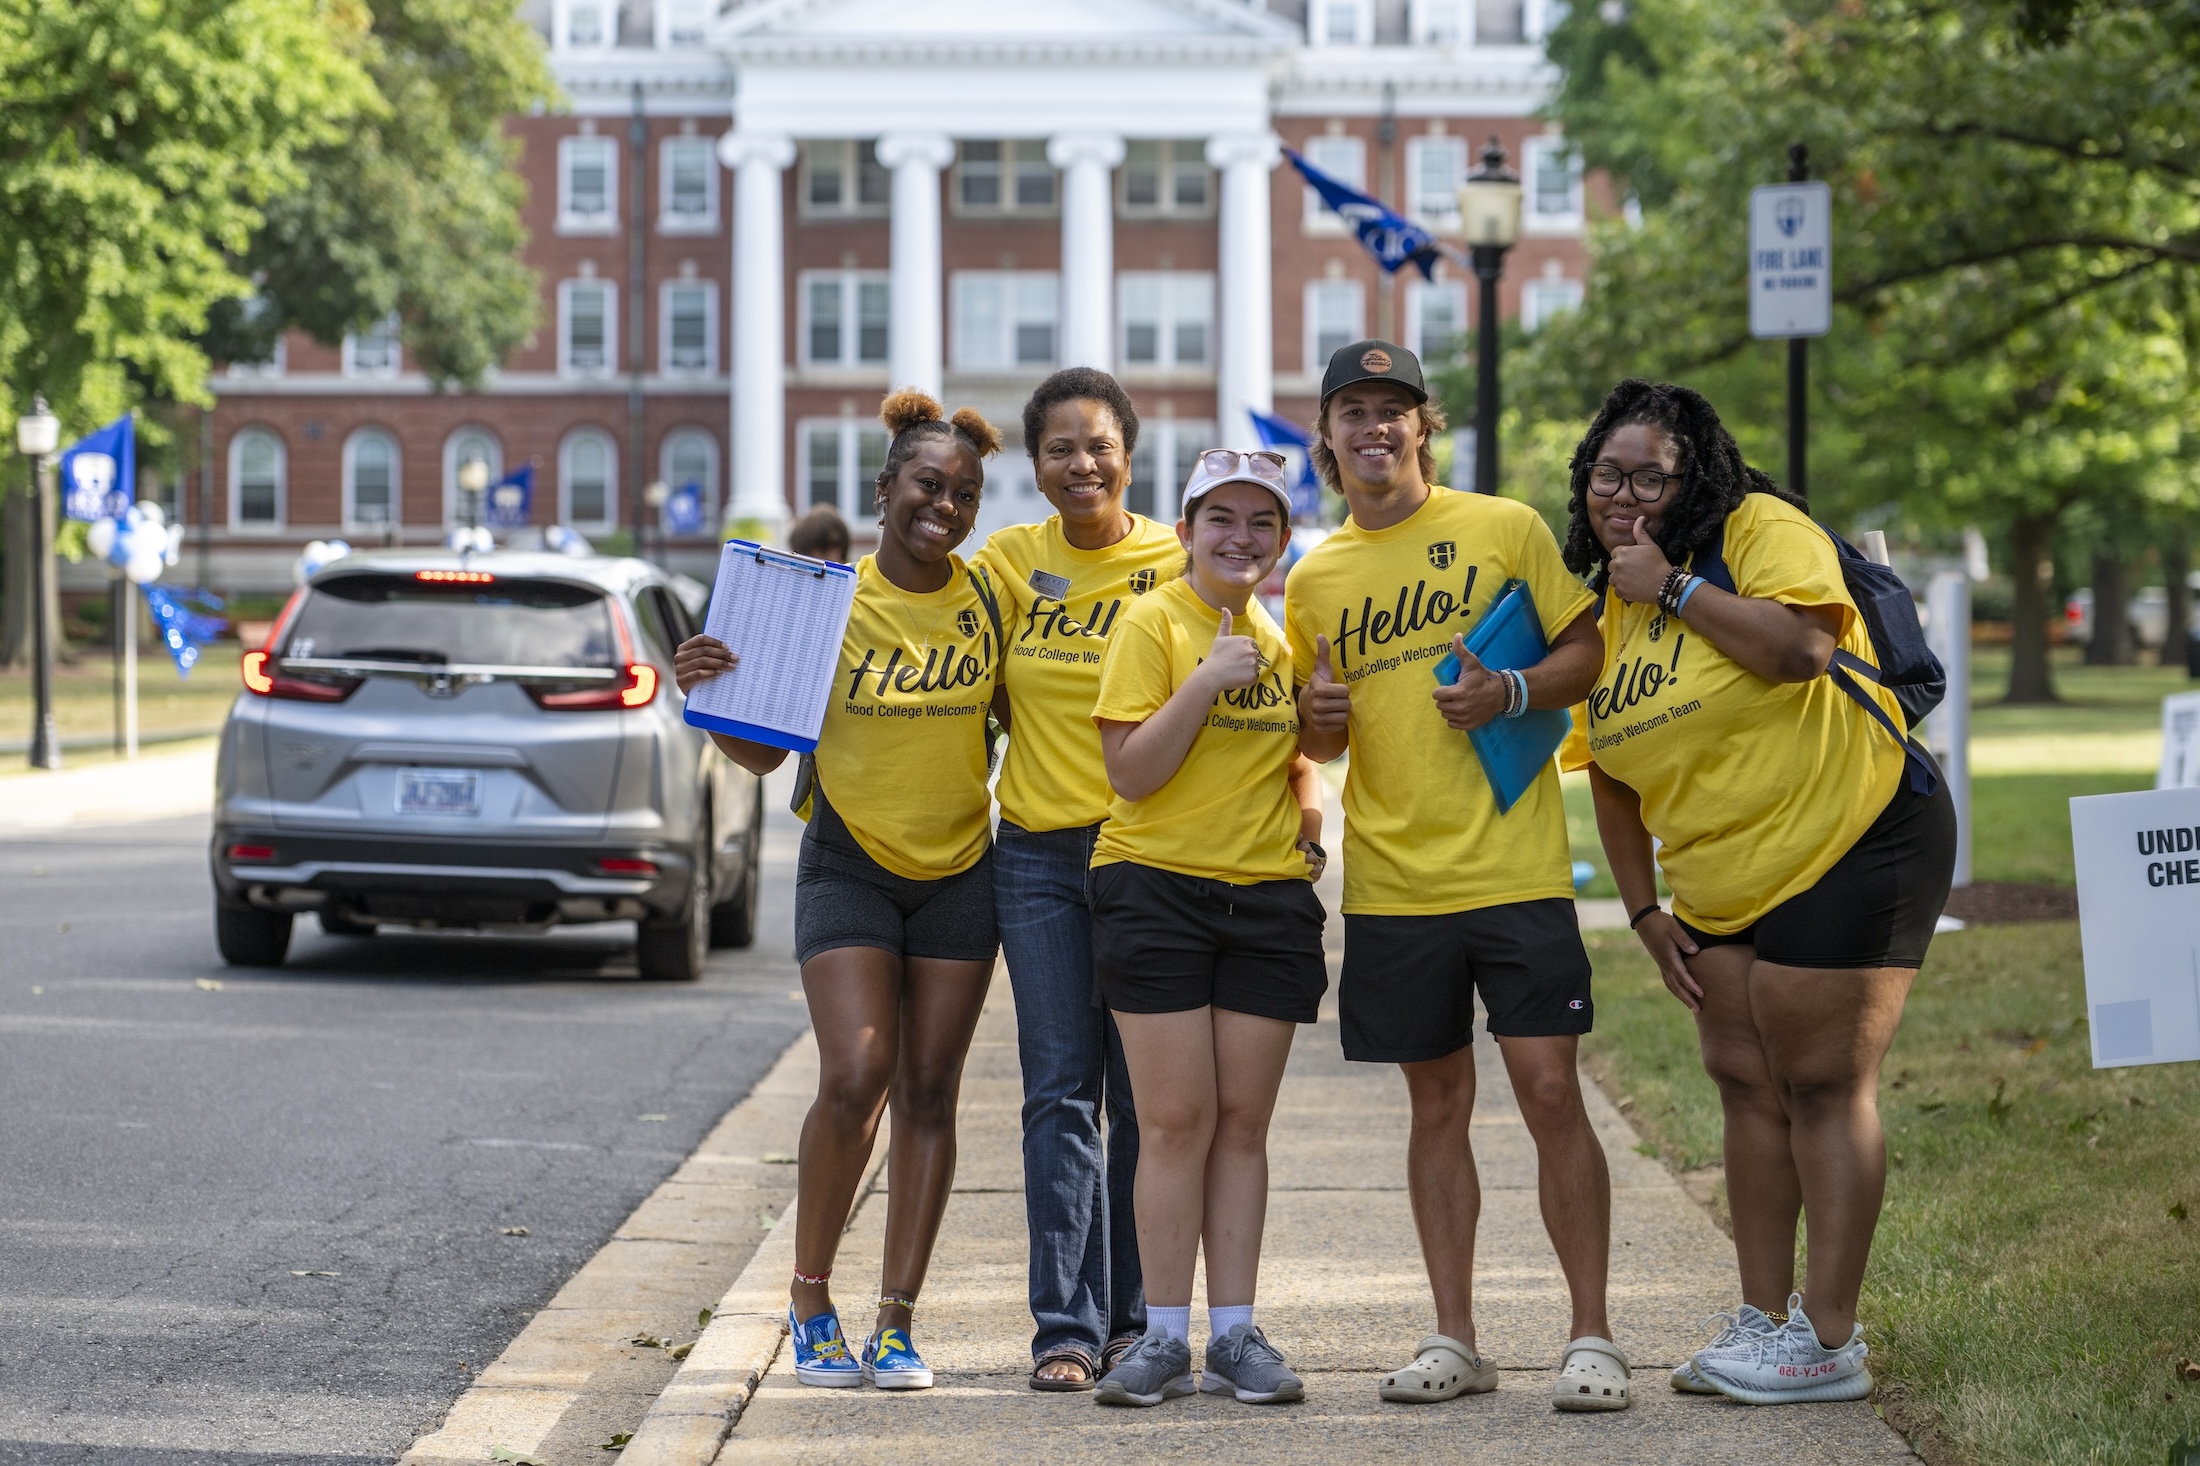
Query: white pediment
817, 30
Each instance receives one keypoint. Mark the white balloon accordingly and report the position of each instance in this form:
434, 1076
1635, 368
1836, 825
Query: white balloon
100, 539
144, 568
152, 511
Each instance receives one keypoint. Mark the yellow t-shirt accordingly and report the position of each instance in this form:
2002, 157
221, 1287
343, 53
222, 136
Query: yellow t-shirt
1422, 831
1753, 788
1228, 813
902, 754
1059, 604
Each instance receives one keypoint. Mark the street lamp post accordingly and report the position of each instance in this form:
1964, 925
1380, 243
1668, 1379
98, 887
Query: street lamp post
473, 482
655, 494
37, 435
1489, 216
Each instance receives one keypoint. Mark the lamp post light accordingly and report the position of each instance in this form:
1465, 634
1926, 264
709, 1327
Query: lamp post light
656, 494
37, 435
473, 482
1489, 216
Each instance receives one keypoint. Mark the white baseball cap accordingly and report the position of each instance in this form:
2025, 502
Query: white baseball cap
1262, 467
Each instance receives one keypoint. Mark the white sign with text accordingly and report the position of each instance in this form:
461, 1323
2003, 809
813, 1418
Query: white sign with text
2138, 862
2180, 767
1790, 260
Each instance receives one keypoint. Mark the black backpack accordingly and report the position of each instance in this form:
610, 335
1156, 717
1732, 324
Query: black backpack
1907, 666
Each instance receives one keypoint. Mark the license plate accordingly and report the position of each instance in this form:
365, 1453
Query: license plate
438, 791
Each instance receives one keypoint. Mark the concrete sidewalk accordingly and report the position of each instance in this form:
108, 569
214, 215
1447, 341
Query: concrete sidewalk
1342, 1293
154, 786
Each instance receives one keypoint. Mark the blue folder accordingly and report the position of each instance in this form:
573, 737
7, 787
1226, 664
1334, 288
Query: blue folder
1514, 751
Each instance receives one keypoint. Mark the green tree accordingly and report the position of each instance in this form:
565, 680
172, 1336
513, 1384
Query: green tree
2016, 246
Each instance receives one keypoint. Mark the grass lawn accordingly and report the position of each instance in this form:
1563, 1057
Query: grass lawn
2037, 1271
168, 703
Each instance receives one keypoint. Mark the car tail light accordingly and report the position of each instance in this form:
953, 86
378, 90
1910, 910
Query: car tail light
634, 690
459, 577
251, 852
264, 675
626, 867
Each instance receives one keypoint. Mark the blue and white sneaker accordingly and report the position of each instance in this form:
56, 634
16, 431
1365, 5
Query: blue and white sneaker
1744, 1323
821, 1355
891, 1362
1789, 1365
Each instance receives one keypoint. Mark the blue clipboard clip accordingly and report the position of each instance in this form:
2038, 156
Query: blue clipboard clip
1514, 751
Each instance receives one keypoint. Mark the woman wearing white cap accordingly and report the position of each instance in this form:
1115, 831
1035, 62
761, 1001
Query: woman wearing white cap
1207, 935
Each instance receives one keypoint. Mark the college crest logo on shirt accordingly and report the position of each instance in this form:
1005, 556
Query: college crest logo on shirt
1141, 582
1442, 553
967, 621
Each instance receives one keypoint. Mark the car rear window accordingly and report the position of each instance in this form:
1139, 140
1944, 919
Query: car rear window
508, 623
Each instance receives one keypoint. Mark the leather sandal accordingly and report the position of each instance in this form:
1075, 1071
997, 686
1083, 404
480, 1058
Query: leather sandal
1592, 1375
1078, 1383
1443, 1370
1117, 1347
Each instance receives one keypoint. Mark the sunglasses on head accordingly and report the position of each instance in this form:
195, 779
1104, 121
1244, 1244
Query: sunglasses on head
1261, 463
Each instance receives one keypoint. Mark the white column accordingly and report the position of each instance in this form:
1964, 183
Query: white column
757, 485
915, 355
1245, 374
1087, 161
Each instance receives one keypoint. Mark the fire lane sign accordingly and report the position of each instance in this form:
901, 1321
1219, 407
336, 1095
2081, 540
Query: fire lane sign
1790, 260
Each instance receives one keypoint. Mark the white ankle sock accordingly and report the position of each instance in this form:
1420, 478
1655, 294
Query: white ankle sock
1221, 1320
1175, 1322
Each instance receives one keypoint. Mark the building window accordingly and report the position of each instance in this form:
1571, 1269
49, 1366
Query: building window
1342, 158
1334, 316
690, 456
468, 445
1167, 179
1499, 22
840, 463
1436, 319
588, 182
587, 311
842, 178
682, 22
588, 468
1162, 462
256, 480
689, 335
689, 177
1341, 22
1551, 200
1441, 23
1005, 178
374, 352
845, 315
1168, 320
584, 25
1542, 299
277, 360
1005, 320
1436, 166
371, 494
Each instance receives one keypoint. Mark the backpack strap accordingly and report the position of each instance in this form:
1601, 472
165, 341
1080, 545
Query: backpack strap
982, 583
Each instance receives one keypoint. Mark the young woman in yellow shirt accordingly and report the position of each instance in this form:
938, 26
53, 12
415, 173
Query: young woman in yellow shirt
1807, 871
894, 918
1207, 936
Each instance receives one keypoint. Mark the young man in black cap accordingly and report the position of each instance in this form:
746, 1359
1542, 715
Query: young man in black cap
1444, 893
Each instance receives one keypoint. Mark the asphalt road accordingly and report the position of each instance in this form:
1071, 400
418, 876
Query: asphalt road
265, 1222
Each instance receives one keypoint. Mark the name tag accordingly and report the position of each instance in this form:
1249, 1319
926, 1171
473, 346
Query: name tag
1047, 583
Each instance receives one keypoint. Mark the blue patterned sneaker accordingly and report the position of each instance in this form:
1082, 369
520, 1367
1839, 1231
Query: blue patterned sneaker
891, 1362
821, 1355
1788, 1365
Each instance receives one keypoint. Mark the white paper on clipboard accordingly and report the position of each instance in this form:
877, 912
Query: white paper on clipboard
783, 616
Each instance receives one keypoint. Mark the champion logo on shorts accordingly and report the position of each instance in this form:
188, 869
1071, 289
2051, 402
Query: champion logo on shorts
1577, 1005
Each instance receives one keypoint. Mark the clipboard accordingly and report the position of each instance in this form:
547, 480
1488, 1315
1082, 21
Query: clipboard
1514, 751
784, 617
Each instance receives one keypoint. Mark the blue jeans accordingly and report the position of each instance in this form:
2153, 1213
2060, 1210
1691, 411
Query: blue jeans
1085, 1282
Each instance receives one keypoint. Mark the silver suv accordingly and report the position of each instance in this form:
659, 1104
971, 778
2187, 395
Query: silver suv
486, 742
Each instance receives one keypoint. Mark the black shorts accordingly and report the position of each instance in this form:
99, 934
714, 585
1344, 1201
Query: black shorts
1407, 991
1879, 904
1169, 943
844, 898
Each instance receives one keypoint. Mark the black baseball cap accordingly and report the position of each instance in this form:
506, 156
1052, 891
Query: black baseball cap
1373, 361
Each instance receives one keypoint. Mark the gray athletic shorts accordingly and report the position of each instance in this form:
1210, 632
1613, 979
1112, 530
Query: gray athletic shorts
844, 898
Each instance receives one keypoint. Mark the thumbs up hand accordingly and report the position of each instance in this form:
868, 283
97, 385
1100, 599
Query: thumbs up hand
1325, 703
1639, 569
1476, 698
1233, 661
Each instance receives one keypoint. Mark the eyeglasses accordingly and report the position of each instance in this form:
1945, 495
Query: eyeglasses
1648, 484
1261, 463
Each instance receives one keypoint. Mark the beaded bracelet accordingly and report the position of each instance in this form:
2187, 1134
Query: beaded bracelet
1669, 592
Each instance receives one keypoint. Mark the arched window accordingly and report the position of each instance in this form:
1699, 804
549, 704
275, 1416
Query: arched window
467, 445
588, 472
256, 480
691, 457
372, 492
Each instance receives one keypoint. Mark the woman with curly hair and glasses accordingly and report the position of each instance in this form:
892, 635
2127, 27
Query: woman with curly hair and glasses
1807, 871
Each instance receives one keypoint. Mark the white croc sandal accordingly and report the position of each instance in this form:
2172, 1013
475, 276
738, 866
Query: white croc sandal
1444, 1370
1592, 1376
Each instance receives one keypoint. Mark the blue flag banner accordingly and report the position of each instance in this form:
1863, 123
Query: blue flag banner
1283, 434
99, 472
1392, 238
509, 503
684, 510
186, 620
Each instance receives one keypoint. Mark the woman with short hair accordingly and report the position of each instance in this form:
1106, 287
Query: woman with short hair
1808, 869
894, 919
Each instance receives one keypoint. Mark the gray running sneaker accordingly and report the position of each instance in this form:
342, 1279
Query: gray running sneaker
1157, 1368
1243, 1362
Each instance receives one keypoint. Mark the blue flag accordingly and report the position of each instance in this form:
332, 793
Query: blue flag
509, 503
1393, 239
99, 472
1282, 433
684, 510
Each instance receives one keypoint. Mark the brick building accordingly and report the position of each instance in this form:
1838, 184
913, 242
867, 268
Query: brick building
751, 222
